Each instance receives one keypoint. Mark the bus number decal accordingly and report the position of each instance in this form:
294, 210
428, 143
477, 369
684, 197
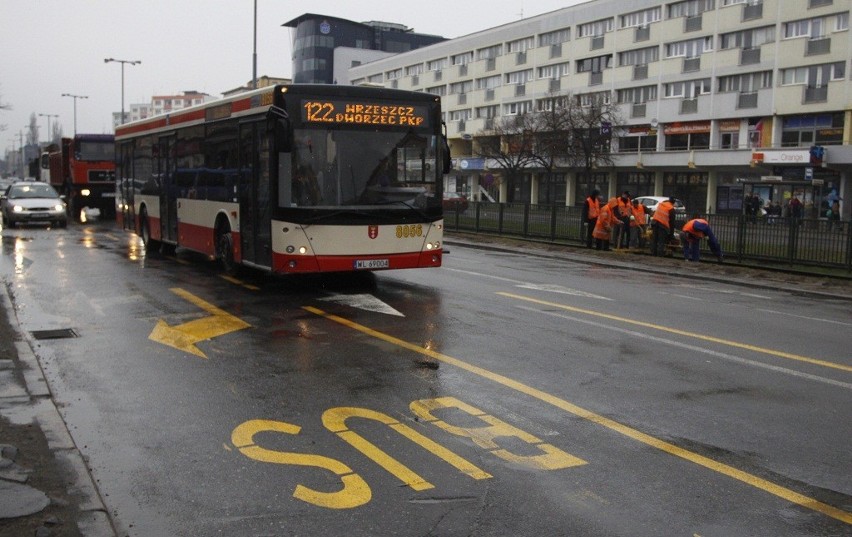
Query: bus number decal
411, 230
318, 111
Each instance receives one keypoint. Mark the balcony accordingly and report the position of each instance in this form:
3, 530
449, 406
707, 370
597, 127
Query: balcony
818, 45
819, 3
520, 90
691, 64
554, 85
597, 42
689, 106
415, 80
749, 56
692, 23
747, 100
463, 70
752, 11
489, 94
639, 110
640, 72
491, 64
815, 95
521, 58
643, 33
462, 98
596, 79
438, 75
556, 50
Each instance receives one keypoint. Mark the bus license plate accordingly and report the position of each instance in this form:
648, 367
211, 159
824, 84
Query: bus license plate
371, 264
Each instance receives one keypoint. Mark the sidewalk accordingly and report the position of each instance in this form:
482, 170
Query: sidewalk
45, 487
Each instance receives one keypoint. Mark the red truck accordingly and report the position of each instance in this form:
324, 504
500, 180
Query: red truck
83, 170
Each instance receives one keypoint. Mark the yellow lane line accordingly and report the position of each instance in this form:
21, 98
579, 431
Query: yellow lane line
745, 477
746, 346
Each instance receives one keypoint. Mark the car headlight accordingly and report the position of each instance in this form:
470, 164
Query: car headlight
58, 208
17, 209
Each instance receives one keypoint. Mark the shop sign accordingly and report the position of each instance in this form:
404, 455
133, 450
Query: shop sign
783, 157
472, 164
730, 125
687, 127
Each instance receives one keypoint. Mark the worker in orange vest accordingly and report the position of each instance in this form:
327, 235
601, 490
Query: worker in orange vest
605, 225
662, 223
591, 210
623, 212
690, 237
638, 221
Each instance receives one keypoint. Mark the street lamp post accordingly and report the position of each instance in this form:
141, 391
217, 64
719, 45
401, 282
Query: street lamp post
122, 62
75, 97
49, 134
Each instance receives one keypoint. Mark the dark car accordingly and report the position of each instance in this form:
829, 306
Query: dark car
455, 201
32, 201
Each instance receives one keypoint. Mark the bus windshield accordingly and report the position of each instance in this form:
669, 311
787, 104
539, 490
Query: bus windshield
336, 168
94, 151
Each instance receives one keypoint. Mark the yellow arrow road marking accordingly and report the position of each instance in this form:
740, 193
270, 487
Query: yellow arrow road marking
667, 447
184, 336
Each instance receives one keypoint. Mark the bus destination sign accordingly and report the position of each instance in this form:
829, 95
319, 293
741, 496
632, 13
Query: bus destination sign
350, 112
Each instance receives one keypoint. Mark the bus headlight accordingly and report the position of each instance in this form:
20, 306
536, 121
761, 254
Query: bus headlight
85, 192
302, 250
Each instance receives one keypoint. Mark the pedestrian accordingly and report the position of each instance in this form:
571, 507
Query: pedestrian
591, 210
607, 222
623, 210
661, 225
690, 238
773, 213
796, 210
833, 215
638, 221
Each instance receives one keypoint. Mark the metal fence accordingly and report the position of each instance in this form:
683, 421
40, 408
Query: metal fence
808, 242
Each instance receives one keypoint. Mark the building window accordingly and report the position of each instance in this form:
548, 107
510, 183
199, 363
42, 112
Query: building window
641, 18
413, 70
812, 28
814, 76
637, 95
460, 115
437, 65
490, 82
594, 65
746, 83
513, 109
747, 38
519, 77
461, 87
437, 90
462, 59
688, 89
642, 56
689, 8
595, 29
842, 22
806, 130
689, 49
553, 71
395, 74
554, 38
594, 99
489, 52
520, 45
487, 112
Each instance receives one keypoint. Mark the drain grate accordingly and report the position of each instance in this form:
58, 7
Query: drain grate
60, 333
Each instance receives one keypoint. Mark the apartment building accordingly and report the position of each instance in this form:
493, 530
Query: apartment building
717, 98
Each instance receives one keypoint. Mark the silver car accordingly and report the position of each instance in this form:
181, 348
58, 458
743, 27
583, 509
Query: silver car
32, 201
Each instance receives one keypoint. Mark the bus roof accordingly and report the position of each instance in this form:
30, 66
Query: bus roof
254, 101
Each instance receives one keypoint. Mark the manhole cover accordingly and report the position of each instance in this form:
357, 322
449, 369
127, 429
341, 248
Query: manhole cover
60, 333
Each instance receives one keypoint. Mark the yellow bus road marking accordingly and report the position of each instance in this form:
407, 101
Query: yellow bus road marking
184, 336
724, 469
746, 346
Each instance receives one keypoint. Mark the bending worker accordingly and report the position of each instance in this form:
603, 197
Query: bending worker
661, 224
690, 237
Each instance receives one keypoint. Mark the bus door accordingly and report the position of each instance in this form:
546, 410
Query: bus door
168, 194
254, 195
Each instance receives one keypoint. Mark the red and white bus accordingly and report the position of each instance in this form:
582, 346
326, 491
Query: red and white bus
291, 179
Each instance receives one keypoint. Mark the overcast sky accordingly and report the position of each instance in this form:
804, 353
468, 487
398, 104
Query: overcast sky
51, 47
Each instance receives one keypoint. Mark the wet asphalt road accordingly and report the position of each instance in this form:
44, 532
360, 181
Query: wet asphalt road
503, 394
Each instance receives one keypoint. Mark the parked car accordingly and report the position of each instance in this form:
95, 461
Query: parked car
455, 201
32, 201
651, 202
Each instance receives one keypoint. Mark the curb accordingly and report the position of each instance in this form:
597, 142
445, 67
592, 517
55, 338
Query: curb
93, 519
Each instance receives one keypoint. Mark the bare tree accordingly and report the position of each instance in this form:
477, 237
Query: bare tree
4, 107
510, 144
32, 131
